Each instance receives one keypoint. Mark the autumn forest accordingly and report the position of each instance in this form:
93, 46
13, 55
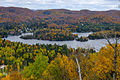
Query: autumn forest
20, 61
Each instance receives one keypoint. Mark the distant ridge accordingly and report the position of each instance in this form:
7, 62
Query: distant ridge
18, 14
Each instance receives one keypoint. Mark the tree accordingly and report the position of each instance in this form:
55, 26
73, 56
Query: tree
115, 48
61, 68
81, 58
14, 76
79, 69
37, 68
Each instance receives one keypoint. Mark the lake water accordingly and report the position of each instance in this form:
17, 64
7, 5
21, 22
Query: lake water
96, 44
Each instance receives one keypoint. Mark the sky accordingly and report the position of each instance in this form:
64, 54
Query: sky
95, 5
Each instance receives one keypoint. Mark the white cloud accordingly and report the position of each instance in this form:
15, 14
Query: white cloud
68, 4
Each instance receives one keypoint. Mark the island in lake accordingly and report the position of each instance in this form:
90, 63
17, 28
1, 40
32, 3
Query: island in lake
54, 35
59, 44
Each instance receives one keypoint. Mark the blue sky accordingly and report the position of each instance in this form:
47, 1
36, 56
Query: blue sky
98, 5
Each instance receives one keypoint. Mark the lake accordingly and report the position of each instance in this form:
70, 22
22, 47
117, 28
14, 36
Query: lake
96, 44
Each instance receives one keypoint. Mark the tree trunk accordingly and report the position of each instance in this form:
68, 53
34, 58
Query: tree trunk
78, 69
115, 61
115, 52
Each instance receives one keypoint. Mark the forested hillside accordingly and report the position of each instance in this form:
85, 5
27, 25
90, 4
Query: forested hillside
20, 61
14, 20
54, 62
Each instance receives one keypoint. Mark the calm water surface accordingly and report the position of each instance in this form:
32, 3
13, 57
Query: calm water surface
96, 44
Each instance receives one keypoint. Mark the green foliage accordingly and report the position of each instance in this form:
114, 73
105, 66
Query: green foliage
18, 55
36, 69
14, 76
25, 20
52, 35
100, 35
61, 68
54, 62
82, 39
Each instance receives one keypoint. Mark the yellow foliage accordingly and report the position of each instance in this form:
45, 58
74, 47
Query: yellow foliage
14, 76
61, 68
100, 66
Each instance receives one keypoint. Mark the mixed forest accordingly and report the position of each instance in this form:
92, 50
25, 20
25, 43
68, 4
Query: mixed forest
20, 61
14, 21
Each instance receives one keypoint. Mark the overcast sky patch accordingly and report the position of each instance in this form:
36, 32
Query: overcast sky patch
98, 5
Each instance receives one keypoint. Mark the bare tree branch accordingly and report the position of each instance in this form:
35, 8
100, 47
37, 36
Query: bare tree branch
105, 36
115, 48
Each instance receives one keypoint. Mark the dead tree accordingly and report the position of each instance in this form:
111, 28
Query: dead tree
115, 48
79, 69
